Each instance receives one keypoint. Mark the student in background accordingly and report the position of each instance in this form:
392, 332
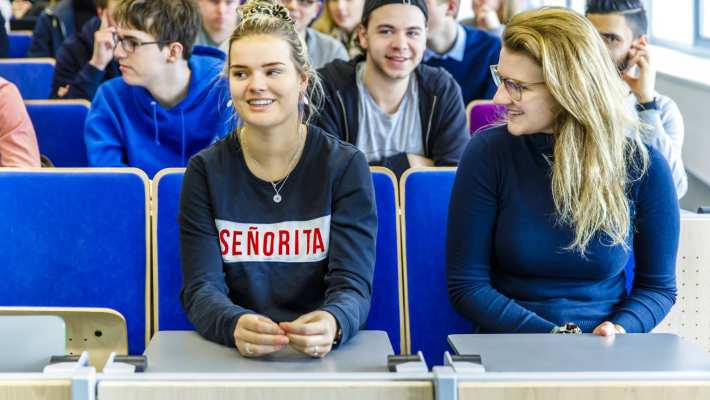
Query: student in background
277, 221
545, 210
18, 143
465, 52
623, 25
492, 15
340, 19
85, 60
219, 18
57, 24
398, 112
322, 48
169, 103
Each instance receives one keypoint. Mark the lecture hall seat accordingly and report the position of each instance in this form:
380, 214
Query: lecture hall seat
77, 238
386, 311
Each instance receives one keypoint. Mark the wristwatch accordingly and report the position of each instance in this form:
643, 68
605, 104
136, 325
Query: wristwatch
338, 336
651, 105
569, 328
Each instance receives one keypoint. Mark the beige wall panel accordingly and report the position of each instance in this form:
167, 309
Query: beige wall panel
224, 390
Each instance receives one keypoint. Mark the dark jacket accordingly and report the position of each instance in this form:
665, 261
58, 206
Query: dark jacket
72, 66
4, 40
53, 26
441, 111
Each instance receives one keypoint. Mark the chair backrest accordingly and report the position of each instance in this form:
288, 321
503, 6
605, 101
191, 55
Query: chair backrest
425, 205
387, 298
32, 76
19, 43
482, 114
386, 310
689, 317
59, 125
77, 238
167, 271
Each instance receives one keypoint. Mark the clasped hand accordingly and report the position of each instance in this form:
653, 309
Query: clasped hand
311, 334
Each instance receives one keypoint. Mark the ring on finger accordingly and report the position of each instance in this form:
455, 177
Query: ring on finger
315, 351
247, 348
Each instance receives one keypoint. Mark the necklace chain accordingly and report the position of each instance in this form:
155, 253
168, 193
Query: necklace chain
287, 172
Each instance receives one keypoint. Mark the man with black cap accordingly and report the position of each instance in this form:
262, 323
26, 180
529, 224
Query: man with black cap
400, 113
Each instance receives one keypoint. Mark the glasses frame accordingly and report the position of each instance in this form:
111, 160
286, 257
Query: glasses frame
514, 89
119, 40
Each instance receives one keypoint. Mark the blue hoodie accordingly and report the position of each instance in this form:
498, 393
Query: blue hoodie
128, 127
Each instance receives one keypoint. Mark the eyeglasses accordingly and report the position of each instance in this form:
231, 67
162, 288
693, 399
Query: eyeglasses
129, 44
514, 89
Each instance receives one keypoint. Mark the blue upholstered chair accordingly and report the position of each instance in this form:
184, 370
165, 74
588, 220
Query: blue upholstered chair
425, 204
77, 238
59, 125
19, 43
32, 76
385, 312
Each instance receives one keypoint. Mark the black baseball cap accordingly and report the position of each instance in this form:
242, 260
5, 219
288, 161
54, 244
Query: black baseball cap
372, 5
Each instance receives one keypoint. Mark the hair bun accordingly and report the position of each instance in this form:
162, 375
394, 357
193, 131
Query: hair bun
260, 8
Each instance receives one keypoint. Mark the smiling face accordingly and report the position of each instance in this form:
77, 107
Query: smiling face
264, 82
346, 14
394, 39
535, 111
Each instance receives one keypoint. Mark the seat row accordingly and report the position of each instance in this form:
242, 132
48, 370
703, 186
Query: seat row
96, 238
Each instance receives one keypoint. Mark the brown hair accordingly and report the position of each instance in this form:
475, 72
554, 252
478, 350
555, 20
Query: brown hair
167, 20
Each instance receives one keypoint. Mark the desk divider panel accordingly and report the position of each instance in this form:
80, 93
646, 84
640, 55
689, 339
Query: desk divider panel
425, 204
76, 238
689, 318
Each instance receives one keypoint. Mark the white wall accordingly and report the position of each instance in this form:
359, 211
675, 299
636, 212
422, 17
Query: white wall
693, 99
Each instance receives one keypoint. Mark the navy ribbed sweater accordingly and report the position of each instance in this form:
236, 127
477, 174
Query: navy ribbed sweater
507, 268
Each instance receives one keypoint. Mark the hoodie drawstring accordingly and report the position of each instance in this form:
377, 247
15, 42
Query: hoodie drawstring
182, 116
155, 122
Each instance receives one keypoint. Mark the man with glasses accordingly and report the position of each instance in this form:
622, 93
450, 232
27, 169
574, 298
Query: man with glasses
219, 18
169, 103
623, 25
322, 48
398, 112
462, 50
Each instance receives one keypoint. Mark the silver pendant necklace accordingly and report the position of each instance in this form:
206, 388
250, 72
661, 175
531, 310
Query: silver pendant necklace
277, 186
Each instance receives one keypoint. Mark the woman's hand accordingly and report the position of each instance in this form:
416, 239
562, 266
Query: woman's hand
257, 336
312, 333
607, 328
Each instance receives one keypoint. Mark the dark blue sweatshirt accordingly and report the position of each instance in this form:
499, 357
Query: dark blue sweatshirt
507, 268
480, 50
72, 66
53, 26
244, 253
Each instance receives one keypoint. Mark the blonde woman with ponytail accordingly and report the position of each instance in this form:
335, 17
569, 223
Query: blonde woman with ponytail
277, 221
546, 209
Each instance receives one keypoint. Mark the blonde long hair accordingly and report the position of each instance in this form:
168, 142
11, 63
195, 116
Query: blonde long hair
592, 158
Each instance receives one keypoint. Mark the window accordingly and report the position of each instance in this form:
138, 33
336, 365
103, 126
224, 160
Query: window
703, 21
